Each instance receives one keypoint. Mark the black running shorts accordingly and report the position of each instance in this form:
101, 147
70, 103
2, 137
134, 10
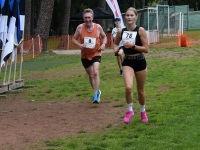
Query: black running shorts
87, 63
138, 63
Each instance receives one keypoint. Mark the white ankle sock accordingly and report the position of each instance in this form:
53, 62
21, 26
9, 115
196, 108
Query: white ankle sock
142, 108
130, 107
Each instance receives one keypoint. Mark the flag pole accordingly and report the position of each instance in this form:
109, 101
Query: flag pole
14, 54
4, 80
16, 83
21, 58
10, 70
1, 58
15, 61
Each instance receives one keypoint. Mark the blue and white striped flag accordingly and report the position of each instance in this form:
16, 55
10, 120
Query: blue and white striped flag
4, 18
13, 34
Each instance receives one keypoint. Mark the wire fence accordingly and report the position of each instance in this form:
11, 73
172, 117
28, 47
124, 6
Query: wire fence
31, 48
65, 42
192, 38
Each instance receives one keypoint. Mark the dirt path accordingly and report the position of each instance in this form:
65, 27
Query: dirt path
25, 124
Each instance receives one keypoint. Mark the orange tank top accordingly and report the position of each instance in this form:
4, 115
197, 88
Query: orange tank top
89, 53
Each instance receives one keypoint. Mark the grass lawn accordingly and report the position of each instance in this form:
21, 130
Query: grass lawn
172, 89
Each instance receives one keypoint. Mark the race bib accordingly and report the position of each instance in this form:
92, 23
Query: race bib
114, 34
89, 42
129, 36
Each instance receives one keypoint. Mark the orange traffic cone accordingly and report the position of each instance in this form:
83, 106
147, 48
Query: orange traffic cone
183, 40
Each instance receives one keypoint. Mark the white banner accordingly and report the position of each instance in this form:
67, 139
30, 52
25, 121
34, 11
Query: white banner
113, 4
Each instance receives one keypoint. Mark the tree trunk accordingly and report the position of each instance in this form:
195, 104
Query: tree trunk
65, 25
27, 28
44, 21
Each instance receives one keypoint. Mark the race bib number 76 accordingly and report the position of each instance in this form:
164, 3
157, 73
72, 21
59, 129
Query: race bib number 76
129, 36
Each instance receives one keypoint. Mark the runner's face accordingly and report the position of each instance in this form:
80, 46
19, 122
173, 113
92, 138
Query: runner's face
130, 17
88, 18
117, 23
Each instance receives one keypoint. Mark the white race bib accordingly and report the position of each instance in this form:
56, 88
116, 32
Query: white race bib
89, 42
129, 36
114, 32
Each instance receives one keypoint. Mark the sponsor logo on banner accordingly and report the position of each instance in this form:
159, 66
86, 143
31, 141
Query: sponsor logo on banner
113, 4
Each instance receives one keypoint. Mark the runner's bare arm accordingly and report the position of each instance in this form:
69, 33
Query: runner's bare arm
143, 36
117, 40
103, 37
76, 36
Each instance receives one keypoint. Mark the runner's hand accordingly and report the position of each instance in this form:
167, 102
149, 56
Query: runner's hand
102, 47
82, 46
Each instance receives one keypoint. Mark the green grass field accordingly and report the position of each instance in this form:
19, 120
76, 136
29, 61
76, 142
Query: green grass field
172, 89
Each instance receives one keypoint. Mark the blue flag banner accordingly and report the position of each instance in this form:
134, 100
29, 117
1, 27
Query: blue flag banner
13, 35
11, 4
2, 3
5, 12
22, 15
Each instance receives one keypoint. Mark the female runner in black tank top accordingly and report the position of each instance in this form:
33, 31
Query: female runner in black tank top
135, 43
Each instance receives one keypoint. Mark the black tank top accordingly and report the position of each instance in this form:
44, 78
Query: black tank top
134, 37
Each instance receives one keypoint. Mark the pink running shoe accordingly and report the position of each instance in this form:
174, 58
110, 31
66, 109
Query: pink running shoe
128, 116
144, 117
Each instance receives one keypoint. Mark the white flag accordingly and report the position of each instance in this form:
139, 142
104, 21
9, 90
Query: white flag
113, 4
13, 35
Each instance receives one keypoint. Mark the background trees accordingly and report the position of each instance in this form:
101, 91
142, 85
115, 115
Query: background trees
51, 17
44, 20
28, 19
